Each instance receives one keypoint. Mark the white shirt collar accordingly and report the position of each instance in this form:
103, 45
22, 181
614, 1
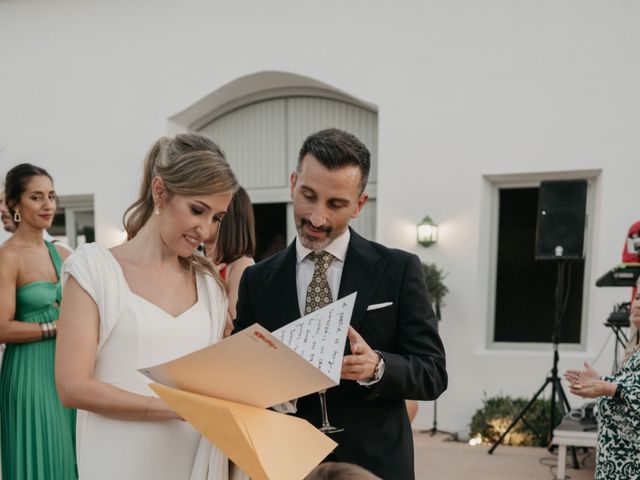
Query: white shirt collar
337, 248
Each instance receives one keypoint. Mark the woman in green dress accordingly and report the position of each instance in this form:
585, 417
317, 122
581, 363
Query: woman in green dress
37, 432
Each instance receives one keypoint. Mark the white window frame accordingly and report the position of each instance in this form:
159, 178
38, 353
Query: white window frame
529, 180
72, 204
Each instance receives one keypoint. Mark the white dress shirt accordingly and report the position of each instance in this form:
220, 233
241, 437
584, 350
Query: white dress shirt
304, 274
304, 267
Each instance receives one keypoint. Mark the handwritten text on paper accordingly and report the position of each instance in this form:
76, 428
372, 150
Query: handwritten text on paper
320, 336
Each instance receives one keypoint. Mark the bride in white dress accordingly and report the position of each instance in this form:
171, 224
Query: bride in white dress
145, 302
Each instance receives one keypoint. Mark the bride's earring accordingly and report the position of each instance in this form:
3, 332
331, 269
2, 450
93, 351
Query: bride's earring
17, 218
157, 210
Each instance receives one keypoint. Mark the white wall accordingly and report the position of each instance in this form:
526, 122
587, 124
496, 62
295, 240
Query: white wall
463, 89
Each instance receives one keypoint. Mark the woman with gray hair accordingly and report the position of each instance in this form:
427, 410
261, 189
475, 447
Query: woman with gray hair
633, 345
618, 452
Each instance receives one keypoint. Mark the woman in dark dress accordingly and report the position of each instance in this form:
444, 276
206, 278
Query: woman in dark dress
618, 452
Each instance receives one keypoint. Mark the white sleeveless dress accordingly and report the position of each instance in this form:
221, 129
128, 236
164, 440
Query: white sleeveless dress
135, 333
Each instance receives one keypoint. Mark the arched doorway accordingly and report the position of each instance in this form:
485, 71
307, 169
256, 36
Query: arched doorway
261, 131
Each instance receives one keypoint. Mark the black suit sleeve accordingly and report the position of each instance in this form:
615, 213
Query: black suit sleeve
244, 313
415, 369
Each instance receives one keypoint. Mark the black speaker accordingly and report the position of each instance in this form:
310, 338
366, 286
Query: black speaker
561, 220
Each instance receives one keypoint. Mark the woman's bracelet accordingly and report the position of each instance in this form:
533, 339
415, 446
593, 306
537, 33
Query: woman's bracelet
45, 330
49, 330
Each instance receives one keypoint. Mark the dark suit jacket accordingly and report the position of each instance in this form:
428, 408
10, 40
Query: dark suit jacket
377, 434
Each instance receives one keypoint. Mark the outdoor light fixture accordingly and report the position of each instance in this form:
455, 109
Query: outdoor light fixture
427, 232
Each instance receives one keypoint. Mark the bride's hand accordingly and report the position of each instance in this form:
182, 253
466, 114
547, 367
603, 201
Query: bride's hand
157, 409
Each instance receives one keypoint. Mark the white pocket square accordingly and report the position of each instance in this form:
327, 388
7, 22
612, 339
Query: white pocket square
377, 306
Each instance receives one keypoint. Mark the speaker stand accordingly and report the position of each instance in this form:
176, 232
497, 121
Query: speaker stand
553, 378
434, 428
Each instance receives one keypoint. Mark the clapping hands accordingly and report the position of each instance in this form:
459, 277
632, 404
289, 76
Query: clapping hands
586, 383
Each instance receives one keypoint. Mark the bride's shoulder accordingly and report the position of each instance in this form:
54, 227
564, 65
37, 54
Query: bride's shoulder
88, 252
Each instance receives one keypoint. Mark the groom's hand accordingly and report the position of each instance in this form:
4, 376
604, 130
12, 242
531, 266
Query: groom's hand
361, 364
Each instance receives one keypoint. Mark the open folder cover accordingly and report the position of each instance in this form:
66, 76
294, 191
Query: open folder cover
224, 390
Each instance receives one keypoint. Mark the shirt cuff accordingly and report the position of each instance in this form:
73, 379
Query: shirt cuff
286, 407
377, 376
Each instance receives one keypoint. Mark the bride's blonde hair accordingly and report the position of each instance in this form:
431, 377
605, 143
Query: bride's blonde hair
188, 164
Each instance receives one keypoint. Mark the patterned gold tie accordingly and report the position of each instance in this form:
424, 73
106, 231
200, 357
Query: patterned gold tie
318, 291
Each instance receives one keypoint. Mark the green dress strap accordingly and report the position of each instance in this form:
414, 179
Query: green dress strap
57, 261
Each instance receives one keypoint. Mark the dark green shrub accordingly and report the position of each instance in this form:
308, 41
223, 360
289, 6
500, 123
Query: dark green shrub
497, 413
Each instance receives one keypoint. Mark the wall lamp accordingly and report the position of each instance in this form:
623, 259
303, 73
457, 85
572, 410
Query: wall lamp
427, 232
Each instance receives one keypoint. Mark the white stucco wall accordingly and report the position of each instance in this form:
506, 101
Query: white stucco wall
463, 89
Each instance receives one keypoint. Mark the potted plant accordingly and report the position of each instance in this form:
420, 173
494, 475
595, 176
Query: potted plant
434, 277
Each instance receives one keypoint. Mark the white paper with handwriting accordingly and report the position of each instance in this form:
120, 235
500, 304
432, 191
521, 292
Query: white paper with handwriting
263, 369
320, 336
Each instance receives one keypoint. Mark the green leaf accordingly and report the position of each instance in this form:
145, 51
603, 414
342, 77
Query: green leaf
434, 277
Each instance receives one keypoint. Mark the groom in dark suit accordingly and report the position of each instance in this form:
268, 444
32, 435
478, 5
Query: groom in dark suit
394, 351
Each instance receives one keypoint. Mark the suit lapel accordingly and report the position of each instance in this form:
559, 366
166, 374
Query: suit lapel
280, 285
363, 269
